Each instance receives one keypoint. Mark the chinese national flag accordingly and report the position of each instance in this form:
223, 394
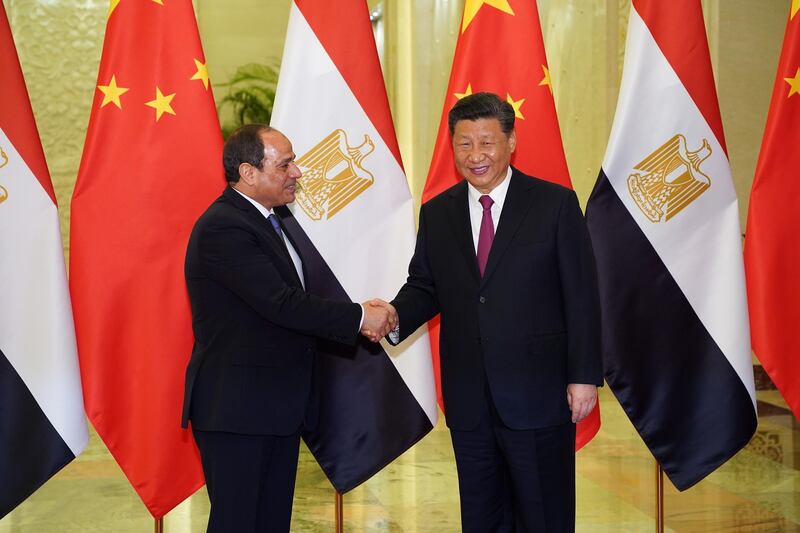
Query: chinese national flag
772, 238
151, 165
500, 50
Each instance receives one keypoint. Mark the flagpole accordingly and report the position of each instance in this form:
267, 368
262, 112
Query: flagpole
159, 525
659, 498
339, 512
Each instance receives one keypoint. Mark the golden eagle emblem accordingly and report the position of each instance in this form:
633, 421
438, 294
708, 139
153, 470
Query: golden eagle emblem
670, 179
3, 162
333, 175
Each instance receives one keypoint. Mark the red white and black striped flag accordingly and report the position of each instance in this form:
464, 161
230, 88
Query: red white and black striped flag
354, 204
664, 221
42, 425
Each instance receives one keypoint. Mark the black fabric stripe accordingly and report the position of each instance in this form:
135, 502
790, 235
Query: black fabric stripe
681, 393
368, 416
31, 450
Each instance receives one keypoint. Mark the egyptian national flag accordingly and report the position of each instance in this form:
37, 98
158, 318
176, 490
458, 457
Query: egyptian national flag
354, 225
150, 167
42, 425
500, 50
664, 222
772, 239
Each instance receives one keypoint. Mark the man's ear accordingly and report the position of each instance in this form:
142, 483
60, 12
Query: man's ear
512, 140
246, 173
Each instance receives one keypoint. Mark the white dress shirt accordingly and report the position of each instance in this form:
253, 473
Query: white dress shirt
498, 195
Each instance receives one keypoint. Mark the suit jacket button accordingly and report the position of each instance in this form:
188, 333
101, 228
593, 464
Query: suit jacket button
482, 299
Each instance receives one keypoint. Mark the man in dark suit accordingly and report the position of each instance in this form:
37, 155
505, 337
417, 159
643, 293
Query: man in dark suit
520, 347
250, 382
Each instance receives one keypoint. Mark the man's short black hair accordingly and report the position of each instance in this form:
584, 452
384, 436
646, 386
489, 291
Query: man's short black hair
243, 146
482, 105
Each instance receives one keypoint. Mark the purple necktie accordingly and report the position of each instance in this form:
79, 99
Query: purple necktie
486, 235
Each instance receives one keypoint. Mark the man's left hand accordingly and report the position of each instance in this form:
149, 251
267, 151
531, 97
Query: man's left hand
581, 399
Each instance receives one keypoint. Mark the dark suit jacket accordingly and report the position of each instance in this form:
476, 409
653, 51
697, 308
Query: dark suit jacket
255, 328
530, 326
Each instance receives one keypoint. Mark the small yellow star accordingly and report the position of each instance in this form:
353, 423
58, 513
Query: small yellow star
161, 104
465, 93
794, 83
201, 74
112, 6
471, 8
546, 79
112, 92
795, 8
517, 105
159, 2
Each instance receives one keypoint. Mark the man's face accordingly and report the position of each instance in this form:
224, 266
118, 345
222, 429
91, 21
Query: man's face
482, 152
276, 182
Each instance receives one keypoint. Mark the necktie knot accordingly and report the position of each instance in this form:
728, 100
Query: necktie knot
486, 201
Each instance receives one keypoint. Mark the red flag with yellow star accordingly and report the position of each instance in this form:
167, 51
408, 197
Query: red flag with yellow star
151, 165
772, 238
500, 50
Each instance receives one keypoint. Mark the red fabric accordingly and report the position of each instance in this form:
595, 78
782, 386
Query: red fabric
486, 234
16, 115
684, 54
504, 54
142, 183
772, 242
359, 70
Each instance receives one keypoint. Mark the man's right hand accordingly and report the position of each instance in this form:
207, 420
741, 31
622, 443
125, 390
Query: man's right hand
379, 319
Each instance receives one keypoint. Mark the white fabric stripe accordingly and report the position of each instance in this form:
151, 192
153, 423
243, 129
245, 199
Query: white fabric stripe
701, 245
369, 243
36, 330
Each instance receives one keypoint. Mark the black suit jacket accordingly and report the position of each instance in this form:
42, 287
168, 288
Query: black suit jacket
255, 328
530, 326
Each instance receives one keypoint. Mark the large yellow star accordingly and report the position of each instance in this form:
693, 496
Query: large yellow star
112, 6
794, 83
112, 92
467, 92
201, 74
517, 105
471, 8
795, 8
546, 79
161, 104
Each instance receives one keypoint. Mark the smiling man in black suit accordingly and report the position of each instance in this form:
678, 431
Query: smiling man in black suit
520, 329
250, 383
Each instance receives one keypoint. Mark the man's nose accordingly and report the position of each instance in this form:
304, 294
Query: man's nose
475, 155
295, 170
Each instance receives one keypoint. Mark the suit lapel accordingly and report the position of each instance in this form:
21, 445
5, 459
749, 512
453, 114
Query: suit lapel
516, 206
290, 228
265, 227
462, 229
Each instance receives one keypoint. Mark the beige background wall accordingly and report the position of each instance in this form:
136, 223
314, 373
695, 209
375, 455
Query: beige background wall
59, 44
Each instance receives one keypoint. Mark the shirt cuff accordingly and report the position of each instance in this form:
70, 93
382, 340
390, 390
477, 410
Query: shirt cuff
394, 335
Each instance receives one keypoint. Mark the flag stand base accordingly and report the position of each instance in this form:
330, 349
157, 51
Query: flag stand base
339, 512
659, 498
159, 525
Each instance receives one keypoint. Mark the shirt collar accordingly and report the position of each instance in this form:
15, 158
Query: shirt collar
261, 209
498, 194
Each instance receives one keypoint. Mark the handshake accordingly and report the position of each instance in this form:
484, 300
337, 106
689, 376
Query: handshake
379, 319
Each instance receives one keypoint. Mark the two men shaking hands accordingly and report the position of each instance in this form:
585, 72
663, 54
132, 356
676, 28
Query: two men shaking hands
505, 260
